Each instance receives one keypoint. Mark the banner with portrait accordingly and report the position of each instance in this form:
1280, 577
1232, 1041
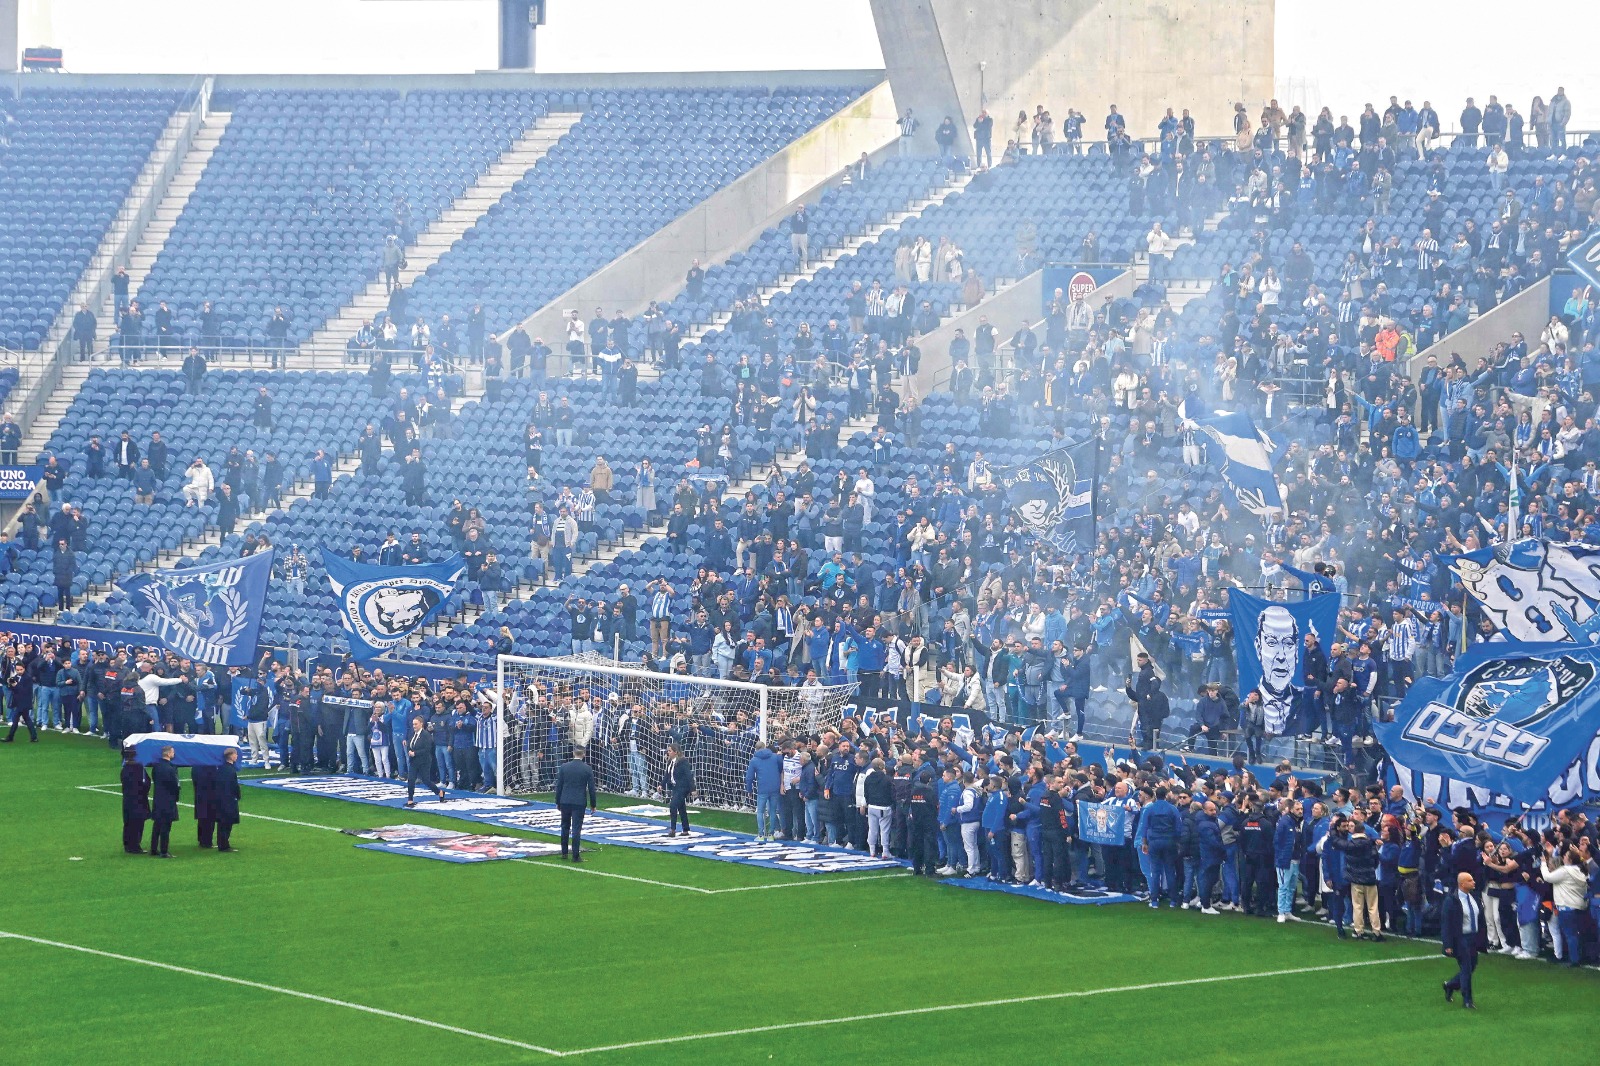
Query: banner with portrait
1268, 641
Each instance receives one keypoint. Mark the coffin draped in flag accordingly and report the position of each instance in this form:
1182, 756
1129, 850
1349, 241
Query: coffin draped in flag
1243, 456
1055, 496
1513, 719
1524, 586
381, 605
1268, 641
211, 614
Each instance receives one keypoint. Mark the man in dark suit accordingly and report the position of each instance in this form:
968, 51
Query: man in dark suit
419, 756
226, 798
135, 802
204, 779
677, 781
574, 789
1461, 930
165, 808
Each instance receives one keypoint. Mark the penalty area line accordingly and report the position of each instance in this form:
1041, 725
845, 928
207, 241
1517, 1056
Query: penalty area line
979, 1004
280, 990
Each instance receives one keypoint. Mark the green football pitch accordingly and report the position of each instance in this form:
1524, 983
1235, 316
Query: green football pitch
302, 948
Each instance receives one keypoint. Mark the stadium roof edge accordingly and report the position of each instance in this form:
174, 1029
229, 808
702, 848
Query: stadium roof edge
495, 79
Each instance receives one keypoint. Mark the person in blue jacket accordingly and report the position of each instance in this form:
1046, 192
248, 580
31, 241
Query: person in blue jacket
1286, 848
1231, 819
838, 793
1337, 897
950, 824
1208, 838
811, 796
1160, 824
996, 836
1033, 828
1074, 687
763, 779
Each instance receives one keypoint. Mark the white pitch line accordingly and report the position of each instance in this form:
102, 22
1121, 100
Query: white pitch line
1041, 998
812, 881
580, 869
296, 993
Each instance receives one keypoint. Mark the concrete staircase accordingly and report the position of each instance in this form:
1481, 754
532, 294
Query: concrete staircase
73, 375
854, 243
433, 242
183, 185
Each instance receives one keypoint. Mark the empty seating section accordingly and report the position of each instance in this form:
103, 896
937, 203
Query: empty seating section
71, 159
310, 411
636, 161
294, 206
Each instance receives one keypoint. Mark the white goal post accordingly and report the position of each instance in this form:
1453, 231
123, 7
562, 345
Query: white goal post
625, 716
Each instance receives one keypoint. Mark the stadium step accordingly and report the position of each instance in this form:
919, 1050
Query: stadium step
183, 184
830, 256
434, 242
56, 404
121, 237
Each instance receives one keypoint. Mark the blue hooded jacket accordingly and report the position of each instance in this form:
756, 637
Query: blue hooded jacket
994, 811
1283, 840
765, 773
1162, 824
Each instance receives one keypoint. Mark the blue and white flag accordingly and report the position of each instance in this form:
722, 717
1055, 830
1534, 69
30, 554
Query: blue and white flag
1055, 496
1243, 455
1268, 640
1515, 720
1521, 585
1103, 823
381, 605
211, 614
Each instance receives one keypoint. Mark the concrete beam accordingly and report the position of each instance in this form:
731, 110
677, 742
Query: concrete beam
957, 57
1526, 313
729, 220
490, 80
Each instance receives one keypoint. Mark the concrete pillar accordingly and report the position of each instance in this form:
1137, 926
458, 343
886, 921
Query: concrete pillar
957, 57
10, 45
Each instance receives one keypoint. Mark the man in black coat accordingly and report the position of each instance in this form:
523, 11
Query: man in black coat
21, 693
1153, 706
165, 808
204, 779
225, 798
135, 802
677, 781
574, 786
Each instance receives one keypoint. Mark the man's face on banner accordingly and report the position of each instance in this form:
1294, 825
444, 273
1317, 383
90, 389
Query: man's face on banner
1277, 640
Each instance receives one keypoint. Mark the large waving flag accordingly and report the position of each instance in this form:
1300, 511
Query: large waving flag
1524, 586
1513, 719
1243, 456
1055, 495
381, 605
1268, 642
211, 614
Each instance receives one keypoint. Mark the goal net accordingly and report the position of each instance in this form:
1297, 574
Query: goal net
624, 716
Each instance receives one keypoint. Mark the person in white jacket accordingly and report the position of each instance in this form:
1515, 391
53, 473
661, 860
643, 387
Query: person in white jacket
1569, 885
198, 484
580, 724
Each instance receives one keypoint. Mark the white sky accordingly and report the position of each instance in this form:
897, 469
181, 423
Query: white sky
1339, 52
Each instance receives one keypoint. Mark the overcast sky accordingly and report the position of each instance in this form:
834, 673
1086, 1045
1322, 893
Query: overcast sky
1340, 53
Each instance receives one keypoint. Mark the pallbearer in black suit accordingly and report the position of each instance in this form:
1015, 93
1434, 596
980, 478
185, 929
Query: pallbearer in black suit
227, 799
574, 786
1462, 932
165, 808
204, 779
135, 802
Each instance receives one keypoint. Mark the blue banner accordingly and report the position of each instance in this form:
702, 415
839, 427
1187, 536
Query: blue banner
1268, 639
1524, 586
211, 614
19, 482
1103, 823
381, 605
464, 847
1511, 719
1054, 496
1243, 455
